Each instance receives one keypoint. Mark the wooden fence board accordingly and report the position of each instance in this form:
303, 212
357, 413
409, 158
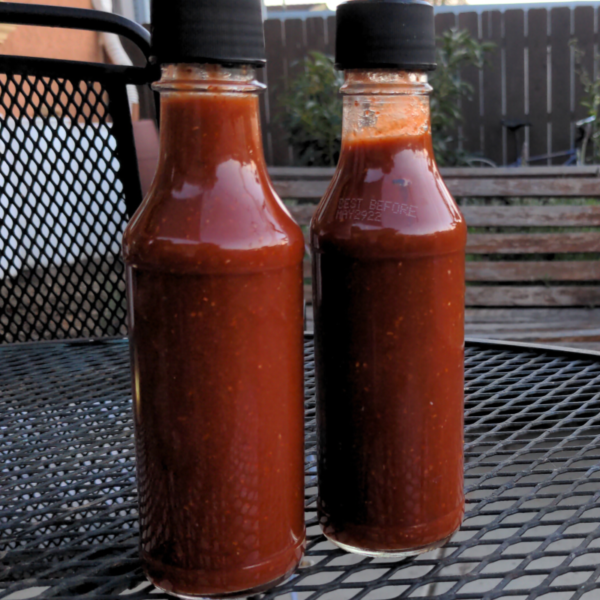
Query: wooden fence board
537, 37
300, 189
295, 48
492, 88
566, 327
276, 80
532, 243
532, 216
522, 296
292, 173
569, 337
518, 173
583, 17
455, 172
514, 41
330, 46
529, 315
560, 116
532, 296
296, 52
523, 271
502, 216
443, 22
471, 137
535, 188
533, 270
315, 34
460, 188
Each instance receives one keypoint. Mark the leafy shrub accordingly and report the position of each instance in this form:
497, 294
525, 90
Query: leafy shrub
456, 50
312, 106
313, 112
590, 100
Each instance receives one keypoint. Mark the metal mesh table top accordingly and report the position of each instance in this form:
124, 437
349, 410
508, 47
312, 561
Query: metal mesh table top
68, 513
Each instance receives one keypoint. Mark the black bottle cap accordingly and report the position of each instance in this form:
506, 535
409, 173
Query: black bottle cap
396, 34
227, 32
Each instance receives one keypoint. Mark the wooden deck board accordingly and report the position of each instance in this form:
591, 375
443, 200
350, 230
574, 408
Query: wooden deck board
578, 328
543, 298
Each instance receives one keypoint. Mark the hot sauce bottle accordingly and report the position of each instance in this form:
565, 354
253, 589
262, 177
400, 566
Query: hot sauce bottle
388, 245
214, 265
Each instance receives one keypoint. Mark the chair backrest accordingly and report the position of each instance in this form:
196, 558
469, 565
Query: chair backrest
534, 232
68, 183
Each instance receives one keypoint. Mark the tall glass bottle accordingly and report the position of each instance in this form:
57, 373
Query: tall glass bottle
388, 247
214, 265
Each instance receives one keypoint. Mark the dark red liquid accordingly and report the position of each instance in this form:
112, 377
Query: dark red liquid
216, 311
388, 249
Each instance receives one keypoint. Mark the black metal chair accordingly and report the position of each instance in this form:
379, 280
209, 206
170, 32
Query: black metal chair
68, 183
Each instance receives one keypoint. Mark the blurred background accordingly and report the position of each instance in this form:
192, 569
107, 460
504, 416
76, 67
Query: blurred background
532, 65
516, 85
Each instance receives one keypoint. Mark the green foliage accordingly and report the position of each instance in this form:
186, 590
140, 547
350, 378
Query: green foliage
313, 112
456, 50
313, 105
590, 100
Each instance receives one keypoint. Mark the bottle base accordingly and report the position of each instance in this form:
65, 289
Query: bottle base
397, 554
227, 596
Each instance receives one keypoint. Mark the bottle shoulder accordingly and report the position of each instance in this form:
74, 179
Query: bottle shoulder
402, 211
233, 223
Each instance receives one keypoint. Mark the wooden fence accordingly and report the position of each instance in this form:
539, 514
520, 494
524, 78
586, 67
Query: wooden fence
531, 75
530, 242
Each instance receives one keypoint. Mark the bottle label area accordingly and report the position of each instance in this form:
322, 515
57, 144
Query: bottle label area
363, 209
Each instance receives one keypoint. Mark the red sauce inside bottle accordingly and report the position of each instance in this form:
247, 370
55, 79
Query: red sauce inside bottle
216, 315
388, 250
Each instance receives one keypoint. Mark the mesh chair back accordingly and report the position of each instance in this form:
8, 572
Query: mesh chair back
68, 182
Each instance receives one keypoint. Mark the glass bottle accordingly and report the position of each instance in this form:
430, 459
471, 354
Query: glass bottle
215, 291
388, 246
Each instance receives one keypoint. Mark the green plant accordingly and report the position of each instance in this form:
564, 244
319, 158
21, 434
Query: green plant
590, 99
313, 112
312, 106
456, 50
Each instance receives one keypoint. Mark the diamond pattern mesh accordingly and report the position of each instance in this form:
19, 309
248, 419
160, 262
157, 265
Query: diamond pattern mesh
68, 518
62, 211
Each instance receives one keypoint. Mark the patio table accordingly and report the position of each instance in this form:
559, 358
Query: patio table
68, 506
